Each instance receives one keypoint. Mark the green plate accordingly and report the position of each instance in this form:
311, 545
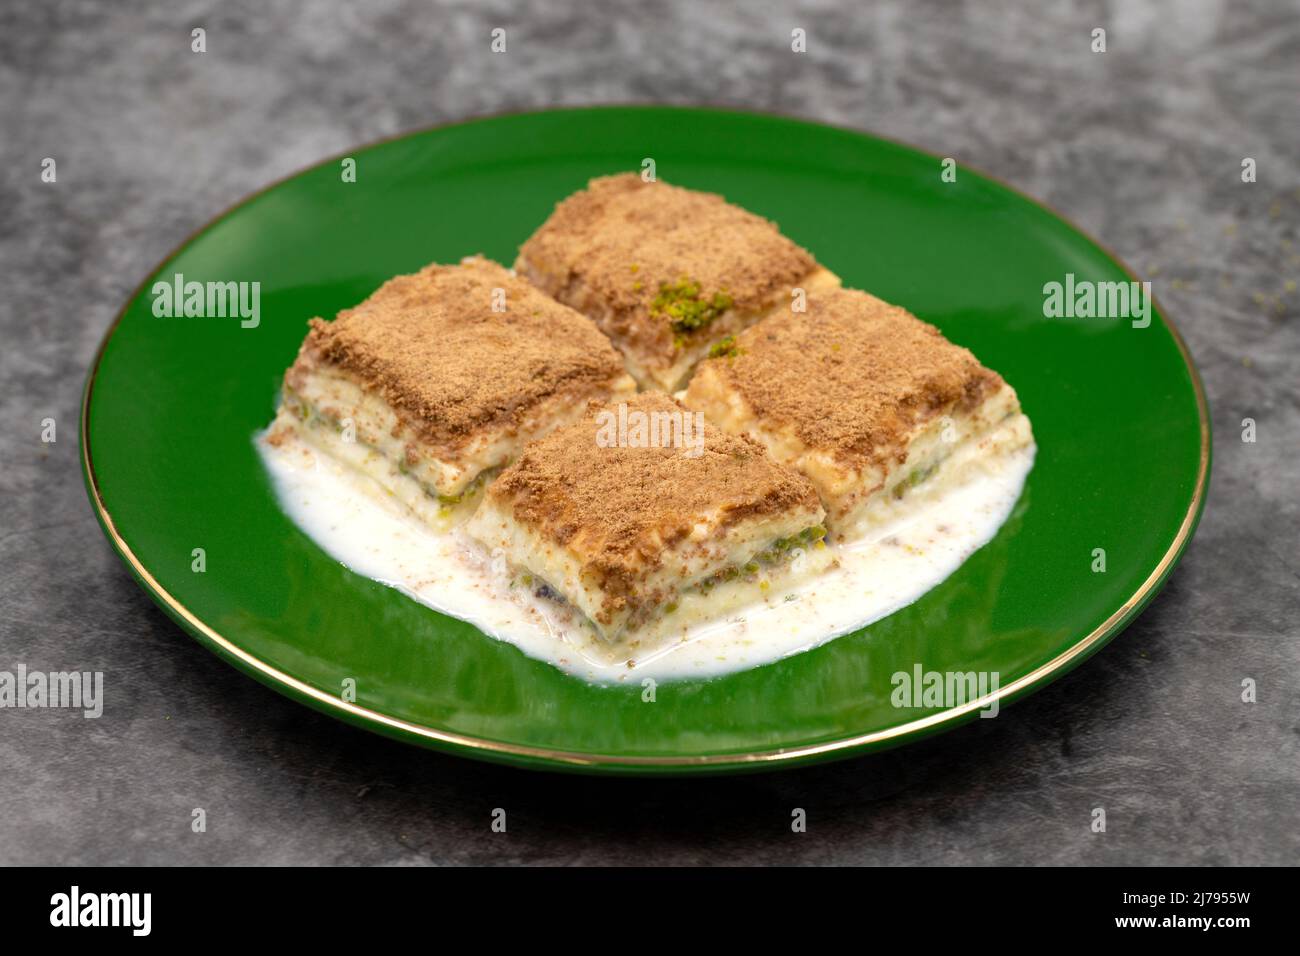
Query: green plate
171, 406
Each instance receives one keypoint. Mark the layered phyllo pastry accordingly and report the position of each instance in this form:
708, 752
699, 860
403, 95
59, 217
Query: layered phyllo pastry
440, 378
641, 506
875, 406
665, 272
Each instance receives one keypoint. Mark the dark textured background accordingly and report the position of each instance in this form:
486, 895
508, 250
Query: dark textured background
1141, 146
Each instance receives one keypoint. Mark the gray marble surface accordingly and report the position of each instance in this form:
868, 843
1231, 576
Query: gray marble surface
1141, 146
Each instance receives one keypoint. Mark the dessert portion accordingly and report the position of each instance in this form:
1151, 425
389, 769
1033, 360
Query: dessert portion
440, 378
665, 272
640, 505
875, 406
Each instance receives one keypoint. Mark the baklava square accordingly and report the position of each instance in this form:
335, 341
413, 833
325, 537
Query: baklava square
640, 502
440, 378
665, 272
874, 405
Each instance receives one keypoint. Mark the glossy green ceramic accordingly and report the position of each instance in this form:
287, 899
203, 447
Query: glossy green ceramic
172, 404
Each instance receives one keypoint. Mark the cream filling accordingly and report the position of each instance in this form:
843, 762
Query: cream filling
337, 415
935, 465
324, 398
692, 562
939, 454
389, 476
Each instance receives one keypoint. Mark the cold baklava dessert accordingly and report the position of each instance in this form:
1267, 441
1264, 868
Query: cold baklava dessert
625, 530
665, 272
440, 378
800, 460
875, 406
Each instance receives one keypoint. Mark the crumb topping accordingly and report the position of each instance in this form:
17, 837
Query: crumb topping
619, 508
433, 345
853, 375
662, 261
